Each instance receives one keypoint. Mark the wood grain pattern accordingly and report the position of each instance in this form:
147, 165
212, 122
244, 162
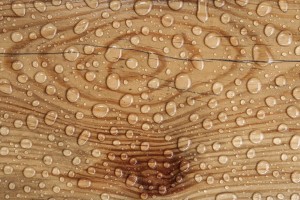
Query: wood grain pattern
149, 99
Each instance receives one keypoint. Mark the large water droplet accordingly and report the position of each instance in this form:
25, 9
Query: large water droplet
81, 26
142, 7
202, 10
48, 31
183, 81
113, 53
5, 86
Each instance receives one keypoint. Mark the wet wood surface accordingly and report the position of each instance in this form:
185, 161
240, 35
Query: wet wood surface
149, 99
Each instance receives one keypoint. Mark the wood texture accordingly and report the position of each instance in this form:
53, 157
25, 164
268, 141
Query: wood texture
149, 99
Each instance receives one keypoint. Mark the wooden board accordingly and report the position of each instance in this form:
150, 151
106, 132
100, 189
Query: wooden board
149, 99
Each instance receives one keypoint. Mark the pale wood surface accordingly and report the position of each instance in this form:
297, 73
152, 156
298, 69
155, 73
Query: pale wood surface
228, 169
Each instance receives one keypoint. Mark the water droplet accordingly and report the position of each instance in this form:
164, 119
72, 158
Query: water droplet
83, 137
96, 153
47, 160
131, 180
48, 31
51, 117
202, 11
271, 101
295, 177
115, 5
262, 167
177, 41
71, 53
113, 53
207, 124
69, 130
263, 8
153, 83
237, 141
84, 183
254, 85
171, 108
145, 146
295, 142
126, 100
226, 196
269, 30
158, 118
167, 20
175, 4
293, 112
5, 86
256, 136
212, 40
81, 26
26, 143
262, 55
16, 37
153, 60
32, 122
142, 7
132, 63
40, 77
72, 95
296, 93
242, 2
184, 166
283, 5
217, 88
184, 143
100, 110
40, 6
118, 172
105, 196
18, 7
285, 38
8, 169
225, 18
194, 117
4, 130
92, 3
198, 62
113, 81
198, 178
29, 172
183, 81
280, 80
201, 148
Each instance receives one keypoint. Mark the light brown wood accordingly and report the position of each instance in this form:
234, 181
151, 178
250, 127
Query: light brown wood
149, 99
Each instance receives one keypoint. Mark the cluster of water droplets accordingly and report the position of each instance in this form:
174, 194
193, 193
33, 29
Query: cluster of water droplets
116, 96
